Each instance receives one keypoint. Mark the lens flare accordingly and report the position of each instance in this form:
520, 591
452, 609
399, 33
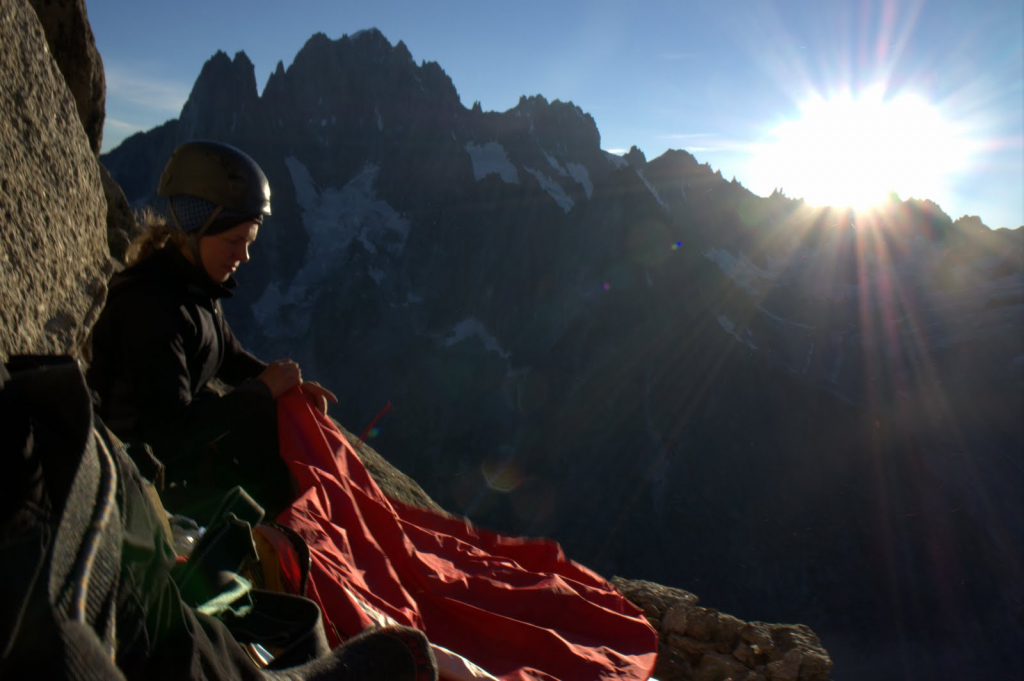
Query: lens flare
501, 474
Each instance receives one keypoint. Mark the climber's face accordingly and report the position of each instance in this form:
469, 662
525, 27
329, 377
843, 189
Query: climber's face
222, 253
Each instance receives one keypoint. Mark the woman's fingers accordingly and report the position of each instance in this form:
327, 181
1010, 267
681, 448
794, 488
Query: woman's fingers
280, 376
319, 393
317, 389
284, 374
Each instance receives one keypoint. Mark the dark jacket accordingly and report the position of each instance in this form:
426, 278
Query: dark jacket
158, 342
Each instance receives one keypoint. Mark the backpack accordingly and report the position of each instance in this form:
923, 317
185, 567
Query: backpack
87, 587
60, 527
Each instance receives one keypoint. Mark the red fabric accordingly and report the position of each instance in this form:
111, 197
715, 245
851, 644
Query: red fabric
516, 607
287, 557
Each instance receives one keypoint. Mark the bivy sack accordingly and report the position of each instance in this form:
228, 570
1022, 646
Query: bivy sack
515, 607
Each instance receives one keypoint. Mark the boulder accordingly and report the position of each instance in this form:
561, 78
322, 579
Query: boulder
121, 225
73, 46
53, 257
698, 643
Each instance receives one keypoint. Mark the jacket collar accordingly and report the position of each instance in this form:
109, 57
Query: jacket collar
168, 267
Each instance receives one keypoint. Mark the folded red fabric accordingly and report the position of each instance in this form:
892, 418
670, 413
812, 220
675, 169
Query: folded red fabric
516, 607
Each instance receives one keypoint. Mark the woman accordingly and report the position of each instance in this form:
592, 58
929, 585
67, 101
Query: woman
162, 338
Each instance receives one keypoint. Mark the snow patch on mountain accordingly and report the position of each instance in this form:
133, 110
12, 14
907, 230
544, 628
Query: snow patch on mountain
654, 192
837, 366
470, 327
781, 320
807, 359
491, 158
333, 218
580, 174
740, 269
616, 160
555, 165
553, 189
730, 328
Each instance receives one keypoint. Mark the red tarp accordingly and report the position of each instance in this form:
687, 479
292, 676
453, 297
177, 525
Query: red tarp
516, 607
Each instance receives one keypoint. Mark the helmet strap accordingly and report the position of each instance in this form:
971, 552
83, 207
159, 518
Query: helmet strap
192, 244
192, 238
209, 221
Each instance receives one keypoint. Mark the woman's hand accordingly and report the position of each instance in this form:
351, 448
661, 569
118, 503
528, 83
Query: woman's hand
320, 395
281, 376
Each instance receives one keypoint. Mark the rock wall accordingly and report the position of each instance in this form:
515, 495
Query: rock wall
54, 261
71, 42
706, 645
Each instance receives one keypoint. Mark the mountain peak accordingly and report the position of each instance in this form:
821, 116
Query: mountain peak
558, 123
363, 70
635, 157
370, 35
224, 88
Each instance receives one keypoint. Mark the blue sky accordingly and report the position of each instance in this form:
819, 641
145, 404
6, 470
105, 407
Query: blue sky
732, 82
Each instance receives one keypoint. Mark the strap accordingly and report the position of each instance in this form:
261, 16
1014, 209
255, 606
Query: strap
106, 504
201, 232
69, 540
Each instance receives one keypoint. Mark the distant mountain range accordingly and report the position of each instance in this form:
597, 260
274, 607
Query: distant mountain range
799, 414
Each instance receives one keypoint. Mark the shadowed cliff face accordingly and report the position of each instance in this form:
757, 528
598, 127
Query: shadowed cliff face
801, 414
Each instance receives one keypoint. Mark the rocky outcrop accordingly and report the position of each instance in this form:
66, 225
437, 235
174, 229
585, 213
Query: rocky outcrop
121, 226
54, 265
73, 46
394, 482
702, 644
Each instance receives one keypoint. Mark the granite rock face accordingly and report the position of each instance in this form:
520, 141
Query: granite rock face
73, 46
121, 225
702, 644
54, 264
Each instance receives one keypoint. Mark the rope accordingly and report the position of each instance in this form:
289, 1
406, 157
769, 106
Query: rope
386, 409
86, 559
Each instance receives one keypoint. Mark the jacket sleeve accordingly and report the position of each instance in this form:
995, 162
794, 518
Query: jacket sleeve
238, 365
170, 420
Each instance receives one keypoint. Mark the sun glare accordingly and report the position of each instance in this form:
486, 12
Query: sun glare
854, 152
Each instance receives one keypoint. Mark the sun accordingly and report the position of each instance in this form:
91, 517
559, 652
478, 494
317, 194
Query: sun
856, 151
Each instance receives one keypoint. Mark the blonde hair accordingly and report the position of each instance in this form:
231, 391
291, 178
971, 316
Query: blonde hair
154, 233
